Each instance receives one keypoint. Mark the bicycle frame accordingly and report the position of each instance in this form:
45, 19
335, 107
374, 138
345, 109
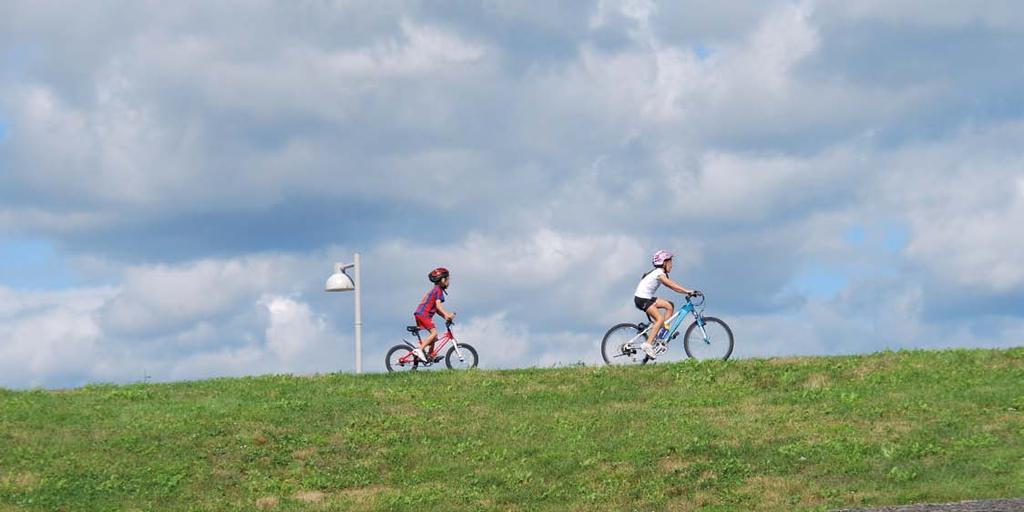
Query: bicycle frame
675, 321
439, 344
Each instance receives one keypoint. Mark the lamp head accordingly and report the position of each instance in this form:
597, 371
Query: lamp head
339, 280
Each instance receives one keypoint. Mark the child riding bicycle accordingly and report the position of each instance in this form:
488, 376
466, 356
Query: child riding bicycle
657, 309
432, 303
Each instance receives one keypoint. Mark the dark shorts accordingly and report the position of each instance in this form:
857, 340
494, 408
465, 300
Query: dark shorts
643, 304
424, 322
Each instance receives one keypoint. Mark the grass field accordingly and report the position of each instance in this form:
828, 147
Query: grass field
777, 434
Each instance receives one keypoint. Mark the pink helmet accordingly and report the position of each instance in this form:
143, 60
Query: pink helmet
660, 258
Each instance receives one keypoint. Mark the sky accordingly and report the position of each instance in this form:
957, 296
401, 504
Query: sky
177, 180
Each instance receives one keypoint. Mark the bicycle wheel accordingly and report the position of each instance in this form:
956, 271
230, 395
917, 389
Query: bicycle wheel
468, 360
718, 344
621, 345
400, 359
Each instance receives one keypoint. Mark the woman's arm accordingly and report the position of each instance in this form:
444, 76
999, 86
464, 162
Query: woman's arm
674, 285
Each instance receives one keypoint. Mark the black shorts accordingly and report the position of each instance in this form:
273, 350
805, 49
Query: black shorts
643, 304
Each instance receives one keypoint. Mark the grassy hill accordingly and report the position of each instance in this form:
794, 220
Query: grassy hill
777, 434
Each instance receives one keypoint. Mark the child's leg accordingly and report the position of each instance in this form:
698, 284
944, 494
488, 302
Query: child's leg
429, 342
655, 311
656, 321
670, 308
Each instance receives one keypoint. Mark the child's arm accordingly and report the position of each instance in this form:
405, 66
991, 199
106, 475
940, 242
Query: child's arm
448, 316
674, 285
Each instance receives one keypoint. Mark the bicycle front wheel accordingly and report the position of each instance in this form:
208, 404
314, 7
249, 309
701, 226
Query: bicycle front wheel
621, 345
400, 359
467, 360
717, 344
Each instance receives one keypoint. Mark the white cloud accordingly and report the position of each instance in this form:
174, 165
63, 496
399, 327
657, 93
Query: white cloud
548, 150
48, 334
293, 327
500, 343
198, 319
960, 198
1003, 14
154, 297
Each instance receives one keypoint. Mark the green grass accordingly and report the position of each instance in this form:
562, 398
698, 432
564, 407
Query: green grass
777, 434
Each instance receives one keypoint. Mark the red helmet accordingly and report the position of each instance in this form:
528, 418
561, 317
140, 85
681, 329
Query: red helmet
437, 274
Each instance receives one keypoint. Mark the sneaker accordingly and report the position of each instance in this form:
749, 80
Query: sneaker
419, 354
649, 350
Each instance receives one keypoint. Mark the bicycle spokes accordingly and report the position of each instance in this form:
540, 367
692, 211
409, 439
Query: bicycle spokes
712, 340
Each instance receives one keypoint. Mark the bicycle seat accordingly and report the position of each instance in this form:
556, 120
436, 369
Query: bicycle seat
413, 329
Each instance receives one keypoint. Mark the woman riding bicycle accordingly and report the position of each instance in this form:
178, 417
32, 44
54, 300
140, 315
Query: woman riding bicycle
431, 304
657, 309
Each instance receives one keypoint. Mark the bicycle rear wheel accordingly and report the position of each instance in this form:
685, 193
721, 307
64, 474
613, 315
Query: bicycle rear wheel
621, 345
718, 344
400, 359
468, 360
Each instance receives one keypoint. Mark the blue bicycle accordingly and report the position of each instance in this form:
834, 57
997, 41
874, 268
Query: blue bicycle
706, 338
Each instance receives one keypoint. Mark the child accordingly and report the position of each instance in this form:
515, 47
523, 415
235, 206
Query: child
431, 303
645, 300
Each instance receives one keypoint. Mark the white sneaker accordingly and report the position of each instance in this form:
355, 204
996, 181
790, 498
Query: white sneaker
419, 353
648, 349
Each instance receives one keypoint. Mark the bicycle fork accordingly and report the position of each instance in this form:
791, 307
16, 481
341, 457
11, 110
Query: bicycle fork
458, 351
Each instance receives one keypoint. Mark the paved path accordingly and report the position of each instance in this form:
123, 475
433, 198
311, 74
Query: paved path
1011, 505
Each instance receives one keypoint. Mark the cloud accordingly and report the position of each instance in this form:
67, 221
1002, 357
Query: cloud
46, 334
198, 319
154, 298
500, 343
208, 171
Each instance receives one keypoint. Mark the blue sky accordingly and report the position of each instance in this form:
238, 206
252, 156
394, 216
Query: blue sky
839, 178
33, 264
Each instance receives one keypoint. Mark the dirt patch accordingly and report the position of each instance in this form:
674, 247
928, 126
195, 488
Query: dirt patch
871, 366
22, 481
362, 495
310, 496
892, 428
304, 454
266, 503
777, 493
676, 463
816, 381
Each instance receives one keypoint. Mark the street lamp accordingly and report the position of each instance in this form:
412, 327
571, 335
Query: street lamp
341, 282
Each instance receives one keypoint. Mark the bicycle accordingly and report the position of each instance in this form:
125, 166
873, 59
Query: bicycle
459, 356
706, 338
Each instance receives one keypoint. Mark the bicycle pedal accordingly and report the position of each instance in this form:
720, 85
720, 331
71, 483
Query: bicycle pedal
438, 359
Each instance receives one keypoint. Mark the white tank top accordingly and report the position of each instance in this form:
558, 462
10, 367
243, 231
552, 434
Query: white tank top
649, 284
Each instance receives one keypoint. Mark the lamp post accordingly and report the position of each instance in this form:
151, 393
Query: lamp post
341, 282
